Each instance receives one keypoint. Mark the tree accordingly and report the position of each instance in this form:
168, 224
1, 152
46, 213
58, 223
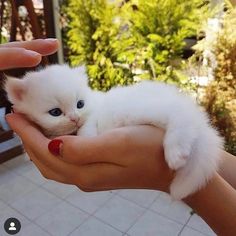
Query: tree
124, 41
220, 94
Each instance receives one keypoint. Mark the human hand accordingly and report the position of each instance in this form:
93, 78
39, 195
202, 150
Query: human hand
25, 54
128, 157
132, 157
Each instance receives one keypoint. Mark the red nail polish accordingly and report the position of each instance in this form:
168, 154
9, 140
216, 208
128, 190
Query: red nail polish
54, 146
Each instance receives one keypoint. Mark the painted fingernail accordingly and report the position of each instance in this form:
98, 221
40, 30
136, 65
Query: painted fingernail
54, 146
51, 39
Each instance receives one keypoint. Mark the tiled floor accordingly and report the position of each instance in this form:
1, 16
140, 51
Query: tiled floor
48, 208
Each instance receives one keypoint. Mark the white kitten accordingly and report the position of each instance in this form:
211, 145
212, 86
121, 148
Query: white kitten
61, 102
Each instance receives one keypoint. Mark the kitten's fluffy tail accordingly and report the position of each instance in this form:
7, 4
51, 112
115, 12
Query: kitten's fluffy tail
201, 166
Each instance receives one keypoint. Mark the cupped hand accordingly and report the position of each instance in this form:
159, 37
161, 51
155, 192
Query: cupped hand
128, 157
25, 54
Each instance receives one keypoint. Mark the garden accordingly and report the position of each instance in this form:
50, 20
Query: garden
189, 43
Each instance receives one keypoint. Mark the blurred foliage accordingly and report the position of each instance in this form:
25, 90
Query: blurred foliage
4, 21
220, 94
122, 42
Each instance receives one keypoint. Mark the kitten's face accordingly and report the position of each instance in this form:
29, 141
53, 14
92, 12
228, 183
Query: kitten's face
55, 98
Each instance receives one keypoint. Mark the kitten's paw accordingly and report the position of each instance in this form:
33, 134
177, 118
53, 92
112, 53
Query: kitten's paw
177, 148
175, 157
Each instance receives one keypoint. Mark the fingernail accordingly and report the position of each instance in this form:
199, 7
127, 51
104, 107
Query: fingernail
51, 39
54, 146
32, 53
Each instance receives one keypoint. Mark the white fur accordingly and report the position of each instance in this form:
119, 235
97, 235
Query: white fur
192, 146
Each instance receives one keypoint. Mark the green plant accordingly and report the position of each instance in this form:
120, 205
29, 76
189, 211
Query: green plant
90, 38
220, 94
124, 41
5, 14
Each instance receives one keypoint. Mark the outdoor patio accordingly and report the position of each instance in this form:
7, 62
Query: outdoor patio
45, 207
161, 52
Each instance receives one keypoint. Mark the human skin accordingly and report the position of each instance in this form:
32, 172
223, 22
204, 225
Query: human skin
227, 169
128, 157
25, 54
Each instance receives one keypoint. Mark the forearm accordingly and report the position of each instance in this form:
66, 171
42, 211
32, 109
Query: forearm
123, 164
227, 168
216, 204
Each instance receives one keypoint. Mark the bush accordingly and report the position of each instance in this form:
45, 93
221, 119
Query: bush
220, 94
124, 41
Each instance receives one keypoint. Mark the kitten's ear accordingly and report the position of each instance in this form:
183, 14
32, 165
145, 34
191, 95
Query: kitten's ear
82, 74
15, 89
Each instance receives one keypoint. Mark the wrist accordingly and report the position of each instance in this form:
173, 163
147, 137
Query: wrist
202, 194
216, 204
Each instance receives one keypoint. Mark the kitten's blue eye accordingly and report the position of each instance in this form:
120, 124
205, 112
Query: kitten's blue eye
80, 104
55, 112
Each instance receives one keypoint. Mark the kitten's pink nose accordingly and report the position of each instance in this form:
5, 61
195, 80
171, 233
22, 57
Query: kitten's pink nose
74, 118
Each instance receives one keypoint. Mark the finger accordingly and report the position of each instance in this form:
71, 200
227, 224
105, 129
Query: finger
18, 57
44, 170
83, 150
42, 46
26, 130
75, 149
113, 146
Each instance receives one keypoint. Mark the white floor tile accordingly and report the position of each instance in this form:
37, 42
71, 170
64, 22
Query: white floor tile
199, 224
62, 219
174, 210
15, 187
2, 204
6, 175
2, 232
89, 202
152, 224
7, 212
36, 203
143, 198
22, 168
17, 161
94, 227
116, 211
34, 176
59, 189
190, 232
32, 230
119, 213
